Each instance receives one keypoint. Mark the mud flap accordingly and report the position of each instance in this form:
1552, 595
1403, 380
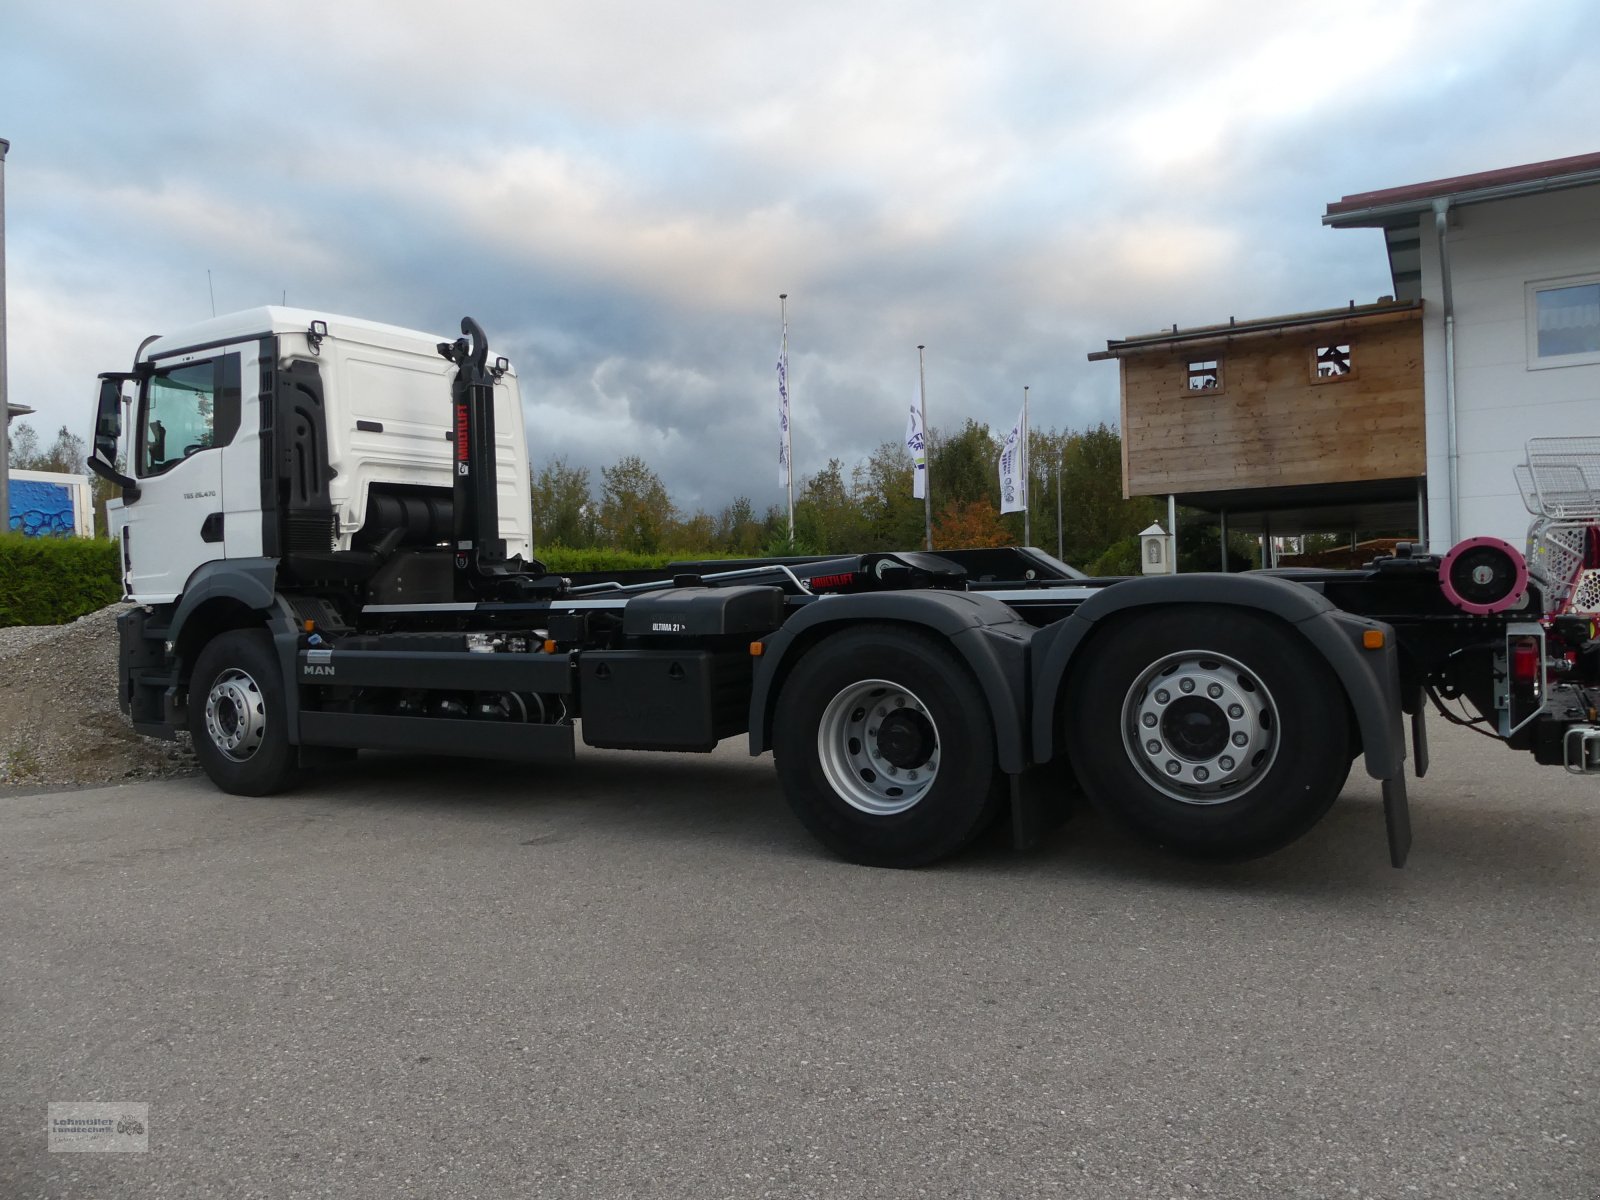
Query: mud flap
1397, 819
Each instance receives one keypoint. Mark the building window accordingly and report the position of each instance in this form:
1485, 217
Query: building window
1205, 375
1333, 361
1564, 322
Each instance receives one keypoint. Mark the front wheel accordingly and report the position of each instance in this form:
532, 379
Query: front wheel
1213, 732
237, 715
884, 748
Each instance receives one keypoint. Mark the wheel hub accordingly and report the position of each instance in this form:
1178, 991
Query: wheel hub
236, 715
1200, 727
878, 747
1195, 728
906, 738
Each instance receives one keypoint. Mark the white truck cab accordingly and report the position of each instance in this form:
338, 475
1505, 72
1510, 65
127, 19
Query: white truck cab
280, 430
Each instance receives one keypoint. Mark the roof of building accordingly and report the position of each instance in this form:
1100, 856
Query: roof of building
1386, 206
1234, 330
13, 409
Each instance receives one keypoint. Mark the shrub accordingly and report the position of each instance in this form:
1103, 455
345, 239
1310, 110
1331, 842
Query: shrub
50, 580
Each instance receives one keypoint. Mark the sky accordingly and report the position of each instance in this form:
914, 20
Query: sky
619, 190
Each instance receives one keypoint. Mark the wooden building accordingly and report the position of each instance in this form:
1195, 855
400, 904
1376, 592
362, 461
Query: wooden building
1296, 424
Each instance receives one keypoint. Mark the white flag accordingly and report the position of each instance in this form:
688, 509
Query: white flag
783, 411
1013, 483
916, 444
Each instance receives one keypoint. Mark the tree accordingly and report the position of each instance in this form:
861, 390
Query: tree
826, 514
563, 513
1095, 515
738, 531
24, 447
635, 510
970, 525
696, 533
964, 467
894, 518
65, 454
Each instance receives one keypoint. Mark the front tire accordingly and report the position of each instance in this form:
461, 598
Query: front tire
884, 748
237, 715
1213, 732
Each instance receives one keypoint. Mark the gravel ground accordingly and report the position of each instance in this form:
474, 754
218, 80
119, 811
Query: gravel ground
59, 722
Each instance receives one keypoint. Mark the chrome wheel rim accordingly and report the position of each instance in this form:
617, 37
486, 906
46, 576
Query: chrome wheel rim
1200, 727
236, 714
878, 747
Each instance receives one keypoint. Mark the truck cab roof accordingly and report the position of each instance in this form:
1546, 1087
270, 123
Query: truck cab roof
272, 319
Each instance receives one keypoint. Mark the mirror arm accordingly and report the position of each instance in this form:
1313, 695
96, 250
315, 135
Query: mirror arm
130, 489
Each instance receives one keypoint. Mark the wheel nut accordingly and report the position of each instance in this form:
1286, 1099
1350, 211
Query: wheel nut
1236, 711
1172, 767
1153, 746
1201, 774
1163, 696
1225, 763
1186, 685
1240, 739
1214, 691
1149, 720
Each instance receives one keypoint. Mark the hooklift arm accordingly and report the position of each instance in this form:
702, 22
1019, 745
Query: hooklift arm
482, 569
478, 547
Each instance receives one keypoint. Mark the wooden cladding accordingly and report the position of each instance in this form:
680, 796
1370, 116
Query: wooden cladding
1337, 403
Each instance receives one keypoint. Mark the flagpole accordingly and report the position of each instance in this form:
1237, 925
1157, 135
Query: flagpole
1027, 483
788, 439
927, 453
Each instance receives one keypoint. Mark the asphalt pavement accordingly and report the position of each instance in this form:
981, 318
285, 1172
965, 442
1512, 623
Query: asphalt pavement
635, 976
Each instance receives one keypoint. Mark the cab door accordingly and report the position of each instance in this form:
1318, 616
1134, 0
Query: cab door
189, 410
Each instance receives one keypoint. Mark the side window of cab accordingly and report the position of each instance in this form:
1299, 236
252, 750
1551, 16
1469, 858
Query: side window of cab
187, 409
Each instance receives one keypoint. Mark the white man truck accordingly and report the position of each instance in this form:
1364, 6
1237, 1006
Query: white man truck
324, 526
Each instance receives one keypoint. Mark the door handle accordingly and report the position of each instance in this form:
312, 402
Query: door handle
211, 528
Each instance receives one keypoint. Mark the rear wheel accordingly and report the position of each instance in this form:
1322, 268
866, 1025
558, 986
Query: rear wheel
236, 715
1214, 732
884, 748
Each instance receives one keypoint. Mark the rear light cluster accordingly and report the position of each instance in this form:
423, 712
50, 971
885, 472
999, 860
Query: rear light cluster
1525, 660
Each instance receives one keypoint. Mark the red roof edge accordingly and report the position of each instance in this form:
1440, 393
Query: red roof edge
1549, 169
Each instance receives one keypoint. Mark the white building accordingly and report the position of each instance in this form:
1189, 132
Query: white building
1507, 264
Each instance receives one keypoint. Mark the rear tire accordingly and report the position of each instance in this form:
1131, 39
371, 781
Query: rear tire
884, 748
237, 715
1213, 732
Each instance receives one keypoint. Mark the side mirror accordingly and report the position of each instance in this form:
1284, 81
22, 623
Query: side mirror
107, 434
108, 419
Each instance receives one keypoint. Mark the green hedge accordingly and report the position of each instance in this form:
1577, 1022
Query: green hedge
49, 581
52, 580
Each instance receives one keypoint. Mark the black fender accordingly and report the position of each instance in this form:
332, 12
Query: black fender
986, 634
252, 582
1370, 677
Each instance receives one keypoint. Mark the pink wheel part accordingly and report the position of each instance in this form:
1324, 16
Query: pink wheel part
1483, 575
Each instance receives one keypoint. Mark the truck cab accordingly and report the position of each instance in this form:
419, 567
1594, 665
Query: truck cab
278, 432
